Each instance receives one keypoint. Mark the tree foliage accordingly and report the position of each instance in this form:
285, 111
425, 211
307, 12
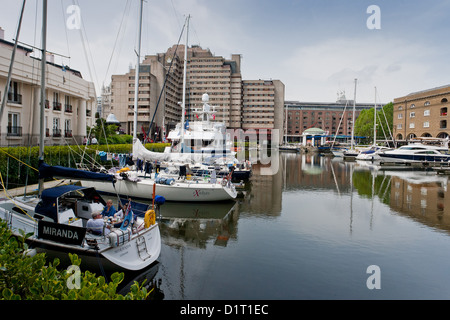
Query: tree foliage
365, 121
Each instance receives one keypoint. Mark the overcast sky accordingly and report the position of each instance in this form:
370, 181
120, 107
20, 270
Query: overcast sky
315, 47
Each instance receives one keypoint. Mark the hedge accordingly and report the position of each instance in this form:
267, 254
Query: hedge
18, 165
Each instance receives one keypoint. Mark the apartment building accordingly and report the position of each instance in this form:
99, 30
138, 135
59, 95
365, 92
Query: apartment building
422, 114
241, 104
68, 106
331, 117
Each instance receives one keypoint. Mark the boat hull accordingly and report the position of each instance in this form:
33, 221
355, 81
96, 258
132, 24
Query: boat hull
122, 258
414, 157
183, 192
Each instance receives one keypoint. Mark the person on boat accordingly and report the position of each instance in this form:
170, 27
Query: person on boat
119, 215
97, 225
109, 210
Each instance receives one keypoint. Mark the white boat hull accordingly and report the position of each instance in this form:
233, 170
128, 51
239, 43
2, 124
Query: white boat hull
184, 192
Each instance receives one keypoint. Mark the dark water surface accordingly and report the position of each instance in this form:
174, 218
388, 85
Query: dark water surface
311, 231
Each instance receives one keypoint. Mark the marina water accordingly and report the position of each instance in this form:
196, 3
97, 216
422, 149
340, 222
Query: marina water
317, 229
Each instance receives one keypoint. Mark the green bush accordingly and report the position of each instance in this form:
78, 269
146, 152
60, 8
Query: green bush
24, 277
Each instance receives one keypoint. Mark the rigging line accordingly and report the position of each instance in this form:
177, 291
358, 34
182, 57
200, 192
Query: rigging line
12, 200
1, 149
125, 12
85, 44
165, 79
13, 54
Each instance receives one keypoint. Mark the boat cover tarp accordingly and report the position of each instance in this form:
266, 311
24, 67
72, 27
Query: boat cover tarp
140, 152
47, 171
48, 205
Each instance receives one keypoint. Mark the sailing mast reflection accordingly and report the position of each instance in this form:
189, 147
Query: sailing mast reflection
195, 224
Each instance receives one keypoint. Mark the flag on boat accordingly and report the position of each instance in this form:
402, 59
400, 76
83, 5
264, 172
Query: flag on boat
128, 217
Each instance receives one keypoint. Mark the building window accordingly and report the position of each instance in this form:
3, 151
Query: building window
14, 128
426, 124
400, 108
427, 103
412, 106
56, 127
412, 114
443, 124
67, 128
14, 95
444, 111
426, 112
411, 125
399, 126
400, 116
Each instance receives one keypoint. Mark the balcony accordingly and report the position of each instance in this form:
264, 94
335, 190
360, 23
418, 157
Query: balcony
56, 133
68, 108
47, 104
56, 106
68, 133
88, 113
14, 131
14, 98
47, 132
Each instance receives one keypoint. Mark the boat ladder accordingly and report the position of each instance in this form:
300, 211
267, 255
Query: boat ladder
142, 248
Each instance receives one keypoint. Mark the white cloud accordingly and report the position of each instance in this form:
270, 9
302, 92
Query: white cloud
394, 66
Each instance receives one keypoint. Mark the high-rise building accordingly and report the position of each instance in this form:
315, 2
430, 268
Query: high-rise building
240, 104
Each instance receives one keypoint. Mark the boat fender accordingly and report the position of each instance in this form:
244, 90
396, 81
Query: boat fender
118, 237
149, 218
123, 170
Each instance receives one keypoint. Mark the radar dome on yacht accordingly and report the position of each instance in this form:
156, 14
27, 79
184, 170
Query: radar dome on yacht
111, 119
205, 97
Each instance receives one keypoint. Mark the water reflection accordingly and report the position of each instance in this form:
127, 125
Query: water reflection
314, 205
195, 224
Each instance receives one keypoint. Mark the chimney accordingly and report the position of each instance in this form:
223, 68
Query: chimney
2, 34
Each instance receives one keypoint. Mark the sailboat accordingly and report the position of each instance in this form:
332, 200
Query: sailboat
58, 217
372, 154
352, 152
133, 183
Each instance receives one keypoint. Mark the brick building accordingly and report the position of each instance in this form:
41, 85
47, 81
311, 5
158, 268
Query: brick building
422, 114
331, 117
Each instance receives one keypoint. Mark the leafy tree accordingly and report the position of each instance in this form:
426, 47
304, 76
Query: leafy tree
24, 277
364, 123
101, 129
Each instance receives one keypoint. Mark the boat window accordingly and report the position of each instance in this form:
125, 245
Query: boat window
19, 210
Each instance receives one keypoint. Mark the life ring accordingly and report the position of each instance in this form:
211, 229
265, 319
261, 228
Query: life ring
149, 218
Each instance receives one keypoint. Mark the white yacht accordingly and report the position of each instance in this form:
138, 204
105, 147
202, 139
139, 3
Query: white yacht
417, 152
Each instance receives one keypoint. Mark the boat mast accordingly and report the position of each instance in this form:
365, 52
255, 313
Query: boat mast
183, 104
353, 120
43, 65
136, 76
375, 119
